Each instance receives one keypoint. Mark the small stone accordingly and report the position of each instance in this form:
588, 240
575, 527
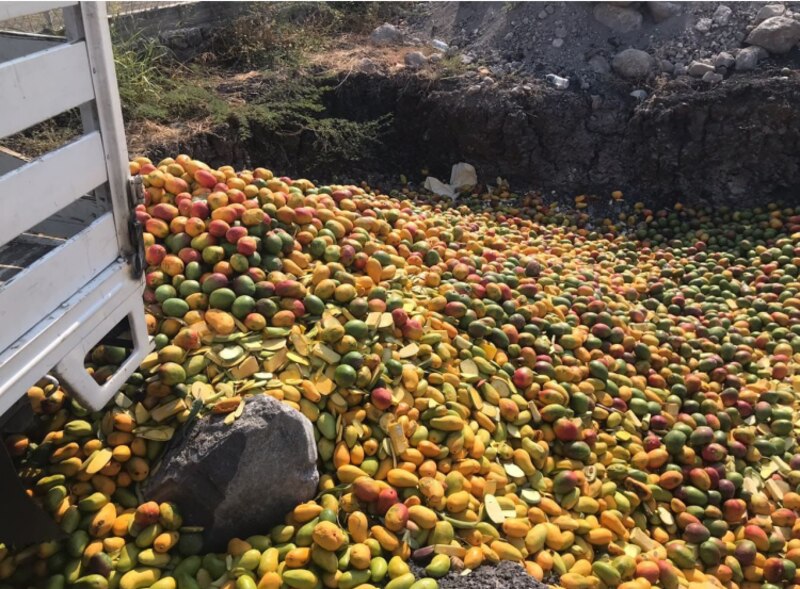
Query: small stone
487, 81
698, 69
466, 58
560, 32
724, 60
680, 70
722, 14
639, 94
558, 43
415, 60
386, 34
777, 34
508, 36
661, 11
618, 18
542, 15
439, 45
239, 479
367, 65
666, 66
599, 64
435, 58
747, 59
632, 63
474, 89
712, 78
703, 25
768, 11
550, 9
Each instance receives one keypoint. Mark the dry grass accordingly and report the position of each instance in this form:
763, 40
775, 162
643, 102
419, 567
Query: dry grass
46, 136
350, 50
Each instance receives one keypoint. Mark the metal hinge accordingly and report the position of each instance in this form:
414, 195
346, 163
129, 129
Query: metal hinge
136, 197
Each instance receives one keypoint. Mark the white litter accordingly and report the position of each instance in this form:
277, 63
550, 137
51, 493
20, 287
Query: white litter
462, 177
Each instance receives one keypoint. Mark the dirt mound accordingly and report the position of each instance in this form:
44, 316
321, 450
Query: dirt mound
578, 40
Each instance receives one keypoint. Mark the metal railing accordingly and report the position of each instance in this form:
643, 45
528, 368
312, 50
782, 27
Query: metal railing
57, 307
52, 21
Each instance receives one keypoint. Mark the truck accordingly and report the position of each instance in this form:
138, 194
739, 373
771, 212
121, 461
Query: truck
71, 256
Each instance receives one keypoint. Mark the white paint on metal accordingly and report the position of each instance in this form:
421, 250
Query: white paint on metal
43, 85
109, 114
9, 10
49, 183
75, 322
45, 284
14, 45
61, 305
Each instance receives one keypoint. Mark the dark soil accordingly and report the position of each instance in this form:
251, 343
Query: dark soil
732, 144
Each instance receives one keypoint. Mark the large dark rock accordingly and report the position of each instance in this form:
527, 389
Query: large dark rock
240, 479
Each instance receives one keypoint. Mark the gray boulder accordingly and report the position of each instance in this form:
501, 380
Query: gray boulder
618, 18
698, 69
768, 11
777, 34
703, 25
386, 34
367, 65
722, 14
661, 11
747, 59
415, 60
632, 63
240, 479
724, 60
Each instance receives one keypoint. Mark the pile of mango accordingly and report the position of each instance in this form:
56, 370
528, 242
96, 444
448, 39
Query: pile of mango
611, 403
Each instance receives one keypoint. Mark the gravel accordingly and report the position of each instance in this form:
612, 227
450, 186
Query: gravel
506, 575
529, 35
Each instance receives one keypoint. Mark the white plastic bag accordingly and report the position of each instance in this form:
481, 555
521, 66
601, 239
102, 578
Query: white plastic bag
462, 177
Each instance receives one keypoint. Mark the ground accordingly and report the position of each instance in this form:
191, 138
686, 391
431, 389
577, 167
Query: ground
522, 90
